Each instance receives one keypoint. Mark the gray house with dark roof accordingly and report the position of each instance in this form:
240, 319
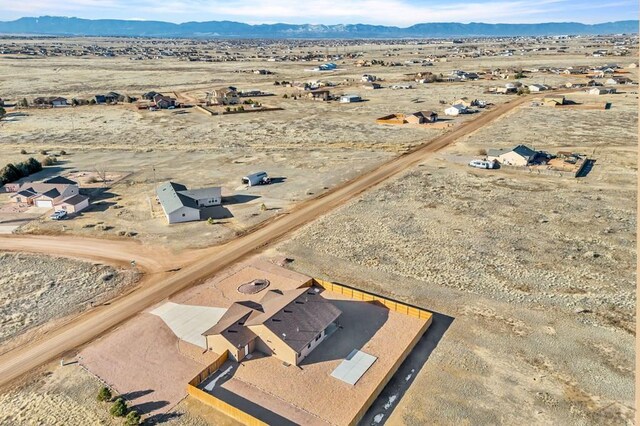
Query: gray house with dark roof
182, 205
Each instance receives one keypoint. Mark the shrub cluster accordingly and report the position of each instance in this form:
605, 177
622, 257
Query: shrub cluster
12, 172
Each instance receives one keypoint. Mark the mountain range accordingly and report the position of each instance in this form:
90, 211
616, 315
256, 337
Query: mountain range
64, 26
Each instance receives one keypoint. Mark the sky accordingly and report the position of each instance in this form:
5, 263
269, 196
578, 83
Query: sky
381, 12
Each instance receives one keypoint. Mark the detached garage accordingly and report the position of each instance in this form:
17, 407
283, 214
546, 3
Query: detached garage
74, 204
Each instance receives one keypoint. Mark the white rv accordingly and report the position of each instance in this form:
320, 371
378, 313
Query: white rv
259, 178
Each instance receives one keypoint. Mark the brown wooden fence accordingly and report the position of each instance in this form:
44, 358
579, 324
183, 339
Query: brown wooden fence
210, 369
220, 405
363, 410
391, 304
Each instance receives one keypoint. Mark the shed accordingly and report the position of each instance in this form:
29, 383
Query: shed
345, 99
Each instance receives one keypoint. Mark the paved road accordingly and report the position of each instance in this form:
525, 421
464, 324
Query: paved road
87, 327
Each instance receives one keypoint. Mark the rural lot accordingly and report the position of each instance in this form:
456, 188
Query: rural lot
520, 266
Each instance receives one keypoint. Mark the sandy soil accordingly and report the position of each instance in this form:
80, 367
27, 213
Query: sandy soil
142, 358
310, 387
530, 268
67, 396
506, 344
35, 289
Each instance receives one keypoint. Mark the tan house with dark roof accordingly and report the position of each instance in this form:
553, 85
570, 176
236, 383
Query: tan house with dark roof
57, 192
288, 325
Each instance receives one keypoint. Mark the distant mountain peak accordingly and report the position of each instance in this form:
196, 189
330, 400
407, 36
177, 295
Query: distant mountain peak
71, 26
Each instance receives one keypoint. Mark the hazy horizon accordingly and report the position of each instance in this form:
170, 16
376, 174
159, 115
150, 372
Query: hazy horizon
401, 13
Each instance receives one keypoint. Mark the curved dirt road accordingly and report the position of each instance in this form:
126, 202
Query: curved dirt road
115, 252
15, 363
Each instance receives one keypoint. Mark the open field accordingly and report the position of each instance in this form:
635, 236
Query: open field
311, 145
531, 268
37, 290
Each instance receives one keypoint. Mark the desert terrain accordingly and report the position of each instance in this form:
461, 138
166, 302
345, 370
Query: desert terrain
530, 268
520, 269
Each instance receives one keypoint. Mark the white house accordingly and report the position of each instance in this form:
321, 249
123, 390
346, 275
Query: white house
182, 205
456, 109
537, 87
57, 192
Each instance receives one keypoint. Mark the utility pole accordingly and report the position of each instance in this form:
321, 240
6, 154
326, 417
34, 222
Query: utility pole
155, 184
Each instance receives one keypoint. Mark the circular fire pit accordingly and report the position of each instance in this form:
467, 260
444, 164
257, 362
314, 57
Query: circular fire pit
254, 286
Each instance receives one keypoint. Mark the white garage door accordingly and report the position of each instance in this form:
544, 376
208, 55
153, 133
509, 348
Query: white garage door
44, 203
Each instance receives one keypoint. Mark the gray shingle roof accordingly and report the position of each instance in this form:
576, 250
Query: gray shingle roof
52, 193
522, 150
169, 195
174, 196
202, 193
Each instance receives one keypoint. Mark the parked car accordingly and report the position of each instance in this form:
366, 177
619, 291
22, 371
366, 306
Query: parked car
60, 214
483, 164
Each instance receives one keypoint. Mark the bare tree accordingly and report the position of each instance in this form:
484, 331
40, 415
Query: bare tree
102, 174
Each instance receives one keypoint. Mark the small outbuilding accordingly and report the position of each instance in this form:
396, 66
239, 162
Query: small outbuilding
347, 99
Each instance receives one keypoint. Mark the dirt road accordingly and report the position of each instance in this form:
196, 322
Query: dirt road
205, 262
115, 252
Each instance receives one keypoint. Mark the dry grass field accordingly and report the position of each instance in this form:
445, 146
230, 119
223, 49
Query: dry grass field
37, 290
531, 268
532, 277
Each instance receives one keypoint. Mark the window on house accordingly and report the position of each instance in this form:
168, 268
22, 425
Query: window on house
309, 346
